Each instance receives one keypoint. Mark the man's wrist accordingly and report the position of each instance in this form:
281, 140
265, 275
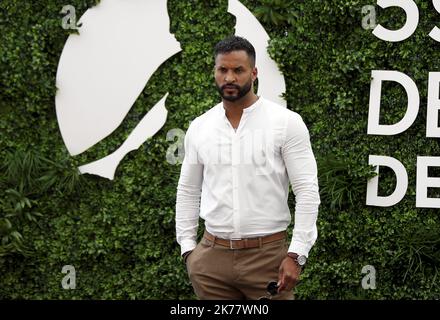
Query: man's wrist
300, 260
185, 255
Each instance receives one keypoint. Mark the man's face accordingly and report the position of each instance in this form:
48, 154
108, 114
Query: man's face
234, 74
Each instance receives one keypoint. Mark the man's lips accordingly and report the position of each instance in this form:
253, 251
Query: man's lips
229, 87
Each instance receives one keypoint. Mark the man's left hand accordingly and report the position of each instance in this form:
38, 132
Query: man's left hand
288, 275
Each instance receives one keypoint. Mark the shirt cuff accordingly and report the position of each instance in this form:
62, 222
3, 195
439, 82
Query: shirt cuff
299, 248
187, 245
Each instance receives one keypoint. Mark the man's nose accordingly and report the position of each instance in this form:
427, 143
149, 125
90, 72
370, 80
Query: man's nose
229, 77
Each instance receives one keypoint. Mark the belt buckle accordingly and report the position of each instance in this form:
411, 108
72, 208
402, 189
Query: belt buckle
231, 242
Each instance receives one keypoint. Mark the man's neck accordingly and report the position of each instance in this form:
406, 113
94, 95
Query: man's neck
235, 108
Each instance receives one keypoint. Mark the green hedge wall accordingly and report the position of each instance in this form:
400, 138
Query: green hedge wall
120, 235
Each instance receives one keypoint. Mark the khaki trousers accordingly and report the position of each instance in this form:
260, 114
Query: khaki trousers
220, 273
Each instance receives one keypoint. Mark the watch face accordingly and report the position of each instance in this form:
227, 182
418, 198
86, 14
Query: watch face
301, 260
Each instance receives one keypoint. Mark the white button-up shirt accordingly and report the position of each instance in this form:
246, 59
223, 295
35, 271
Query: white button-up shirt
238, 180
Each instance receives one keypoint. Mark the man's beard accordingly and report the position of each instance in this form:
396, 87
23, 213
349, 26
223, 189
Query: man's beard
241, 91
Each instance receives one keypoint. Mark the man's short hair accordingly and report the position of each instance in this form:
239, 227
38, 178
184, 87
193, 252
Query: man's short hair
234, 43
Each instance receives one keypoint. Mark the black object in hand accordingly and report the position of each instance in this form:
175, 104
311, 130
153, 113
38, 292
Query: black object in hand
272, 288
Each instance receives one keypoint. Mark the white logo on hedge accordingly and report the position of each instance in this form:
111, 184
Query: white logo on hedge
369, 19
69, 281
102, 71
369, 281
69, 20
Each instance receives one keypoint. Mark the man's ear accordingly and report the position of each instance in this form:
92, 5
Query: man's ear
254, 74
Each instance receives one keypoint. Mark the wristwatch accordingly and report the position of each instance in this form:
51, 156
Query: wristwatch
299, 259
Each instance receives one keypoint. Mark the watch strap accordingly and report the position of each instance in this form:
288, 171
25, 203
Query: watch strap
294, 257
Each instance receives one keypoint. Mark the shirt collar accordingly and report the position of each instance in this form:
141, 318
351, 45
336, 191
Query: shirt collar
253, 106
247, 110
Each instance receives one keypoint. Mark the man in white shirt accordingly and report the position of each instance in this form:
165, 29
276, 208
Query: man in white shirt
239, 159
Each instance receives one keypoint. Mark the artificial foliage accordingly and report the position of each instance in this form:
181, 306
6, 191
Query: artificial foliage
120, 234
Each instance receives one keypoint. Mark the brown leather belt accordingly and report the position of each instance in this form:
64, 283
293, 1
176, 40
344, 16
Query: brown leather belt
245, 243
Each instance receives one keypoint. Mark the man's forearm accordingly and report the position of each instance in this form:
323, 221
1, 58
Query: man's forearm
188, 205
187, 219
